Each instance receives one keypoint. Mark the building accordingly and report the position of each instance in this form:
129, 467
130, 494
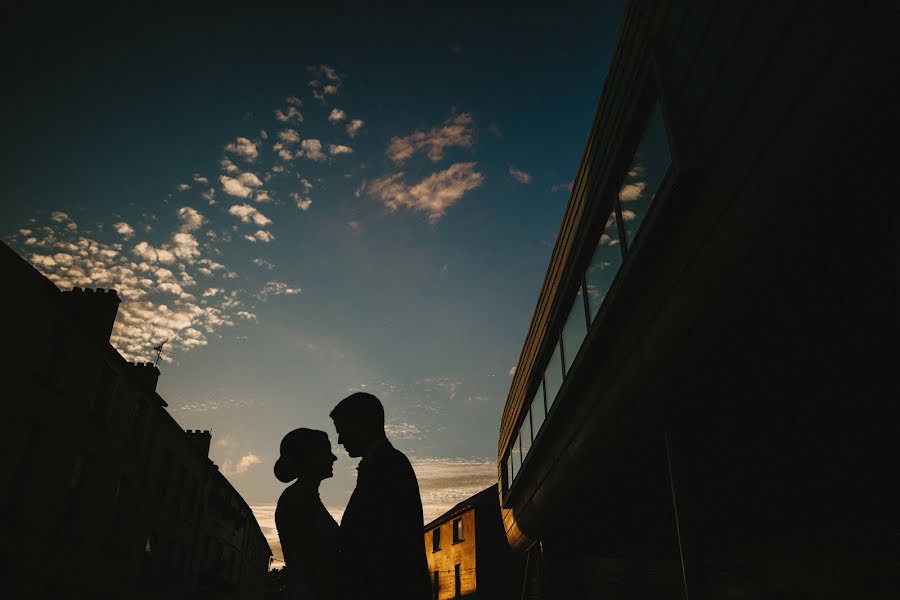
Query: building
705, 404
103, 494
468, 556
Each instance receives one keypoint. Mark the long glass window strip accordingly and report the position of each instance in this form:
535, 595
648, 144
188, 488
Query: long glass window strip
645, 174
643, 179
574, 330
603, 267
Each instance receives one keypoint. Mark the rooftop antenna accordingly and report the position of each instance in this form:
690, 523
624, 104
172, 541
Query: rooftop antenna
159, 349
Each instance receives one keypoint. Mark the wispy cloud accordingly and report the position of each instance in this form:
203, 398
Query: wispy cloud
519, 175
432, 196
338, 149
354, 126
241, 466
337, 115
444, 482
277, 288
558, 187
456, 131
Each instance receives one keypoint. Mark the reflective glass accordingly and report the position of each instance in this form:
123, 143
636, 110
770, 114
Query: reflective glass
645, 174
553, 376
604, 264
574, 330
507, 466
515, 457
537, 410
525, 435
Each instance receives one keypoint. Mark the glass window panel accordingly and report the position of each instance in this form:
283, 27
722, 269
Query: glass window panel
604, 264
507, 472
537, 410
553, 376
525, 435
574, 330
645, 174
514, 457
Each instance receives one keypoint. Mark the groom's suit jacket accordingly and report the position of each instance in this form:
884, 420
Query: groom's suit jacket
381, 543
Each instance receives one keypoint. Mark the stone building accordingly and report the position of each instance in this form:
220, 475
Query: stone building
103, 494
705, 404
468, 556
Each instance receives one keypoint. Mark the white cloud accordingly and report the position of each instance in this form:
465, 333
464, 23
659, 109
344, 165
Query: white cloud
512, 371
632, 191
291, 113
247, 213
230, 469
456, 131
289, 136
190, 219
311, 149
151, 254
294, 101
200, 179
244, 148
519, 175
210, 196
301, 202
263, 263
58, 216
228, 166
260, 236
124, 229
557, 187
354, 126
277, 288
182, 187
185, 246
354, 225
241, 186
338, 149
337, 115
433, 195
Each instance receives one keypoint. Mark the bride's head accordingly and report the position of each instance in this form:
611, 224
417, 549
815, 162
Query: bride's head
305, 454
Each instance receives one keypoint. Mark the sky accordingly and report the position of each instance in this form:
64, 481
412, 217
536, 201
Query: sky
307, 201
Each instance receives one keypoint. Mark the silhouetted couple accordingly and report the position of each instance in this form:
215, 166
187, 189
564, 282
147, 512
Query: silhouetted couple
378, 552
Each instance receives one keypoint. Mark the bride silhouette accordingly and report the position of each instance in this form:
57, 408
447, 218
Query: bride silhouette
307, 532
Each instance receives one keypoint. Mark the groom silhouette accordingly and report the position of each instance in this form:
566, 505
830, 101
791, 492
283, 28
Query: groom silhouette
381, 545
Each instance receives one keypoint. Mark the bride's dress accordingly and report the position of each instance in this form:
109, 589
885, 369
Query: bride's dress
308, 536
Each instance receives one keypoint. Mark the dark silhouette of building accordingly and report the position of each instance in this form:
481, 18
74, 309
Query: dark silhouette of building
103, 494
468, 556
705, 404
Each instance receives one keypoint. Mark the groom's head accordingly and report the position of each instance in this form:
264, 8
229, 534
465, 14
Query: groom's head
359, 421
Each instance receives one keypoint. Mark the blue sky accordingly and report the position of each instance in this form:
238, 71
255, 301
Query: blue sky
309, 202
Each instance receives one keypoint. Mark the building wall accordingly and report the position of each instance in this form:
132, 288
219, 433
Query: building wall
96, 466
721, 382
451, 554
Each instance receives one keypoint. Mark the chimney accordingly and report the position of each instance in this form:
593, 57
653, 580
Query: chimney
96, 310
200, 440
146, 373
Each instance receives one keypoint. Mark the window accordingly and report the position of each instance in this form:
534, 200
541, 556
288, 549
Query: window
605, 263
538, 410
457, 530
553, 376
435, 585
645, 174
525, 434
574, 330
515, 457
436, 539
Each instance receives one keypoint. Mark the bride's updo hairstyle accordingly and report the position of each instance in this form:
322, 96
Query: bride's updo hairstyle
295, 448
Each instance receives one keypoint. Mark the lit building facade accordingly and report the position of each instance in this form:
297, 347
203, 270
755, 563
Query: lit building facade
104, 495
703, 403
468, 556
